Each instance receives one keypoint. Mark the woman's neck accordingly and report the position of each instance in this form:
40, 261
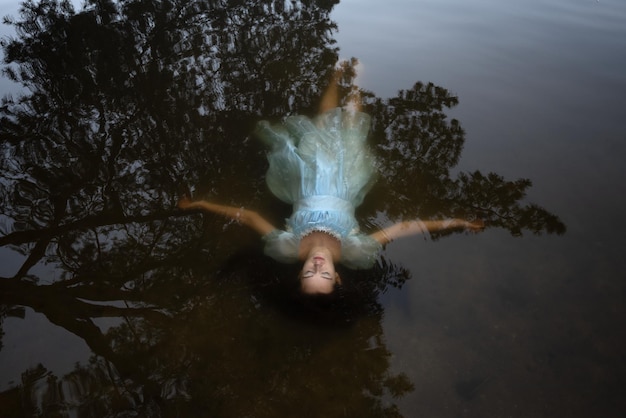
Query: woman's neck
319, 240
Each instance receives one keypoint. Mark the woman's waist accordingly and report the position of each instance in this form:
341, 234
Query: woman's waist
339, 223
324, 203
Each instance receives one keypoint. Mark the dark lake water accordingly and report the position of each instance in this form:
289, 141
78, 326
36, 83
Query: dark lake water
113, 303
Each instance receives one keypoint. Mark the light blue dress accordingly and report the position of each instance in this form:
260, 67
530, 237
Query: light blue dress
323, 167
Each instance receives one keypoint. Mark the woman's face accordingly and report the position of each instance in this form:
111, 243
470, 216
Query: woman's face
318, 274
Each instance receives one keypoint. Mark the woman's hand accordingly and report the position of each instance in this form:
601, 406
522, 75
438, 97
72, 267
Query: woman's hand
184, 202
475, 226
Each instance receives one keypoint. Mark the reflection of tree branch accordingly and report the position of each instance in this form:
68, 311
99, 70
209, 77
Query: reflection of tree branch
21, 237
36, 254
499, 203
49, 298
74, 315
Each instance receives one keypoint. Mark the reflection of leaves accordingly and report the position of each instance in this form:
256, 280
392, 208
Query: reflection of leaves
496, 201
418, 146
413, 136
400, 385
129, 113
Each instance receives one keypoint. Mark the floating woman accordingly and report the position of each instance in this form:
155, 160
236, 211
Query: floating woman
324, 168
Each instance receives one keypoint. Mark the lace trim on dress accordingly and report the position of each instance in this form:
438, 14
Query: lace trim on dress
325, 230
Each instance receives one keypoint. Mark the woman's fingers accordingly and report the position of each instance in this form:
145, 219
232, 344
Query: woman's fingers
184, 202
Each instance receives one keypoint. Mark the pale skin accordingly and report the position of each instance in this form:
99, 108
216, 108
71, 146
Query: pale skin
320, 251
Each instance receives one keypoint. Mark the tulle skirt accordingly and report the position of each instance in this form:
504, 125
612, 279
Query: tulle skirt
323, 156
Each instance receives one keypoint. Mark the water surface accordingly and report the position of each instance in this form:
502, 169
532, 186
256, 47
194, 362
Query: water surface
117, 304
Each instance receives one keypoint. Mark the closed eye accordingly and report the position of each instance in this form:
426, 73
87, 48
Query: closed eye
309, 273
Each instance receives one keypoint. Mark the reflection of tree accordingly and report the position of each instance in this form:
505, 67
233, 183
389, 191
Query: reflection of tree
128, 101
418, 146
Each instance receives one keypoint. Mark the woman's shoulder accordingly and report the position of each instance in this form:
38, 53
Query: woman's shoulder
282, 246
359, 251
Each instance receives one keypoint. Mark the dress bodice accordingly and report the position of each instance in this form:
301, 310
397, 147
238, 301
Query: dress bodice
329, 214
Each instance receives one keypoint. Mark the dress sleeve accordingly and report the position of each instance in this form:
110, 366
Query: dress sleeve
359, 251
282, 246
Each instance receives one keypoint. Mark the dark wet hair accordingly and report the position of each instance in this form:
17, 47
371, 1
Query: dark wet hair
319, 299
322, 309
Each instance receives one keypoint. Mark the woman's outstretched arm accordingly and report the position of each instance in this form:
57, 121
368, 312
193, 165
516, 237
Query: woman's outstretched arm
244, 216
406, 228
